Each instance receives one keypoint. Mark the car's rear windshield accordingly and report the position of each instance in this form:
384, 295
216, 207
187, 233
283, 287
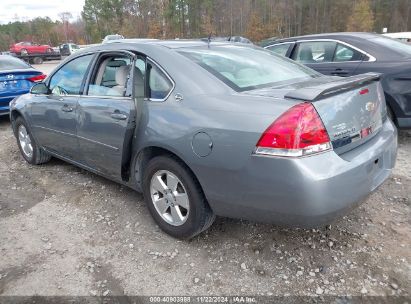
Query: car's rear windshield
395, 45
246, 68
10, 63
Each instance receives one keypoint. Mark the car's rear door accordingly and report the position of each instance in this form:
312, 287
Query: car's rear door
328, 57
106, 113
54, 115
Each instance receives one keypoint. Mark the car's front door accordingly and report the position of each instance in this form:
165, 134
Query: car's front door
328, 57
54, 116
107, 111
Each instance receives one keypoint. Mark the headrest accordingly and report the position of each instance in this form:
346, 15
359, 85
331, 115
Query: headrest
122, 74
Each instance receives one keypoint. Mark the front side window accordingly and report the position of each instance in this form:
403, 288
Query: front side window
159, 85
345, 53
111, 76
279, 49
69, 78
314, 52
245, 68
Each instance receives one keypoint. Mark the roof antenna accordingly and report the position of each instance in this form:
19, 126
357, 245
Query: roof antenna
209, 40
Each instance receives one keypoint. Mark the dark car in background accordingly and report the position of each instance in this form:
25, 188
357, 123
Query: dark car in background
237, 39
16, 78
66, 49
347, 54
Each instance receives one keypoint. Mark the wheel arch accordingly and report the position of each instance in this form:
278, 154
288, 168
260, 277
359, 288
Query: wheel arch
14, 114
146, 154
392, 104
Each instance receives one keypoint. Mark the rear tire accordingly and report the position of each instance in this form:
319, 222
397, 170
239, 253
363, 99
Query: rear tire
193, 214
38, 60
30, 151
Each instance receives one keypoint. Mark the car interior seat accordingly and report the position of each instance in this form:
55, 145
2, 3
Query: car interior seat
121, 77
306, 54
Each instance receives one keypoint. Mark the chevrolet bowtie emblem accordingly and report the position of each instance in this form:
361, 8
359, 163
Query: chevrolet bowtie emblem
370, 106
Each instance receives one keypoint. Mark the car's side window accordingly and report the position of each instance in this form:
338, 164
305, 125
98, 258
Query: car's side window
314, 51
279, 49
69, 78
345, 53
111, 76
159, 85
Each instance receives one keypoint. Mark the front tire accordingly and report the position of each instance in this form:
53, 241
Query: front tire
175, 199
30, 151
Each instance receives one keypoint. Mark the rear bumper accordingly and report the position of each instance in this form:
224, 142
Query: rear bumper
310, 191
5, 102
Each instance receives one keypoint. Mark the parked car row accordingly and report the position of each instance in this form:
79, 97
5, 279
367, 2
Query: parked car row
213, 128
347, 54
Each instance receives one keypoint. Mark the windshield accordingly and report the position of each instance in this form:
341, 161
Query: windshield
395, 45
245, 68
10, 63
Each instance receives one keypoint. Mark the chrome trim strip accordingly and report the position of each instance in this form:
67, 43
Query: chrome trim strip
78, 137
125, 98
274, 44
98, 143
55, 131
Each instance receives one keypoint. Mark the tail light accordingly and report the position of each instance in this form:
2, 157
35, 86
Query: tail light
298, 132
37, 78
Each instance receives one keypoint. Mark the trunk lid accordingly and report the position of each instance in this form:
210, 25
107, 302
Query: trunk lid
17, 80
352, 109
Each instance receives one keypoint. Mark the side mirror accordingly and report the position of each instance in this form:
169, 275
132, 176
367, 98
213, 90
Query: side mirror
39, 88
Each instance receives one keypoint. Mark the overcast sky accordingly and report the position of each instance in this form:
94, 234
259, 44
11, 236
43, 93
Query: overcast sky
10, 10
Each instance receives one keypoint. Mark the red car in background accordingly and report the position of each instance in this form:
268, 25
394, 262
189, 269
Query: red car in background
28, 48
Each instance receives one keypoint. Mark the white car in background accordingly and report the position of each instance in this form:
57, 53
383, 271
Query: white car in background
110, 38
403, 36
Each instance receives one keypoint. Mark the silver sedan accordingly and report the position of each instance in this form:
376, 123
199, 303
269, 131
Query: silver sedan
210, 128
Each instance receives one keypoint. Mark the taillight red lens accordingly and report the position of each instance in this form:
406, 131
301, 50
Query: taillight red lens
37, 78
297, 132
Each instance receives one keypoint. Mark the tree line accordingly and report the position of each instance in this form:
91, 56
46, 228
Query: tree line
254, 19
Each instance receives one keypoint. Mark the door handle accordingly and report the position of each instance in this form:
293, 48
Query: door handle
67, 108
118, 116
339, 72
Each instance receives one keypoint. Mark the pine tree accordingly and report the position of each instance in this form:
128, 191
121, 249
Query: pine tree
255, 29
362, 17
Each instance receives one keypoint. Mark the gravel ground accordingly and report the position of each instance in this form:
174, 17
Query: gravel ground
65, 231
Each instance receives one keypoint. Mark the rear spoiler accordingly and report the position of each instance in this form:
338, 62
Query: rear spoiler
325, 90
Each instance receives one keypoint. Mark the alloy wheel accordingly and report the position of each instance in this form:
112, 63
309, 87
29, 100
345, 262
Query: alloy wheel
169, 197
25, 141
